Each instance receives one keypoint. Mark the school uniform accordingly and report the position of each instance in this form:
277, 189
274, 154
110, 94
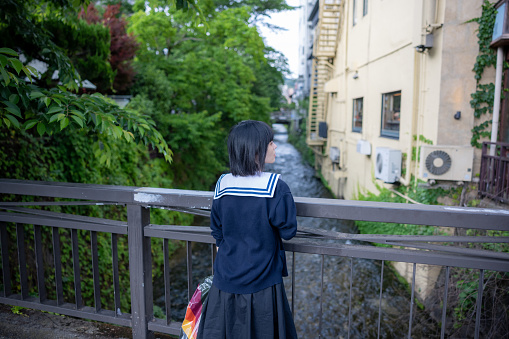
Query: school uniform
249, 218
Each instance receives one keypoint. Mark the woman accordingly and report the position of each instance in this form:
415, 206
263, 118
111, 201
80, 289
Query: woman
251, 212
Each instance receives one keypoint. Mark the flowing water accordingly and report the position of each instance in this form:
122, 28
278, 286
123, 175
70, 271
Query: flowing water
365, 302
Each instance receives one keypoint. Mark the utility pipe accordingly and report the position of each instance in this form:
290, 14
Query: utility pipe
496, 103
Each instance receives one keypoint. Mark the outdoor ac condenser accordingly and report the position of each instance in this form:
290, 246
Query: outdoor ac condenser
446, 163
387, 164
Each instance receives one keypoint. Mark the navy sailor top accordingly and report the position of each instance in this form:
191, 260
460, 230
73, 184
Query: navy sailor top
249, 217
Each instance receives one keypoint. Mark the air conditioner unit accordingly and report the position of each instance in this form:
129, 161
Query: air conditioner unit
387, 164
446, 163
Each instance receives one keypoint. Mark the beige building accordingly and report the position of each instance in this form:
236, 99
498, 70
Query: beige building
391, 76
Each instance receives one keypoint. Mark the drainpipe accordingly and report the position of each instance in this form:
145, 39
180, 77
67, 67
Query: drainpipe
412, 166
434, 15
496, 103
419, 84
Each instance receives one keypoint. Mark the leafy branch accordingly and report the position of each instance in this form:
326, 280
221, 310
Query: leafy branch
24, 106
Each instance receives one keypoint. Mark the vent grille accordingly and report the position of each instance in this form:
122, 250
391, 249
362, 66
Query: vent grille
438, 162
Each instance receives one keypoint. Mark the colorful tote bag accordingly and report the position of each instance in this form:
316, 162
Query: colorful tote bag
191, 322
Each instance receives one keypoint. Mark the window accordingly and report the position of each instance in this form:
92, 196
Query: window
391, 105
354, 9
365, 8
357, 115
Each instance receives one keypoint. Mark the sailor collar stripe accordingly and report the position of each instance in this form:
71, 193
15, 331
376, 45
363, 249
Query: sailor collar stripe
262, 186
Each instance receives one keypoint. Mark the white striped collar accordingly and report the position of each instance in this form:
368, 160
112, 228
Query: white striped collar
262, 185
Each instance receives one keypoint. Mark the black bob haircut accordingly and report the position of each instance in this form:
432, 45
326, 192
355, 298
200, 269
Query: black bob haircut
247, 147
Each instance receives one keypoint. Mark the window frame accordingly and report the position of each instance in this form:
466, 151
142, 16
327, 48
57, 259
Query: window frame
390, 133
357, 129
365, 8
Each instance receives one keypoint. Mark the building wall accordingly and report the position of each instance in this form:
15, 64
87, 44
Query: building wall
457, 76
458, 81
306, 34
380, 51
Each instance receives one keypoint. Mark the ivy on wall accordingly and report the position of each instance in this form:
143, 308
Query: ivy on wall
482, 98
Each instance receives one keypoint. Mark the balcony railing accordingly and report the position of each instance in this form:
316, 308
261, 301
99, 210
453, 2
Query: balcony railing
494, 176
416, 250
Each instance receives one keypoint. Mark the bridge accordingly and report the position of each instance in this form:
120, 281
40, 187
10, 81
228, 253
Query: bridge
283, 116
32, 197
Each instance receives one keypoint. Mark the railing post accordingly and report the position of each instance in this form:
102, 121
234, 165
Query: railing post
140, 271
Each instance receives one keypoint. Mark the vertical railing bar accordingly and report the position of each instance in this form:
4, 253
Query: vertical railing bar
482, 169
76, 269
503, 184
444, 307
293, 284
506, 182
167, 299
487, 176
321, 298
95, 270
57, 261
479, 304
505, 187
492, 175
380, 298
140, 271
189, 257
412, 303
116, 278
20, 235
39, 264
6, 270
350, 301
500, 173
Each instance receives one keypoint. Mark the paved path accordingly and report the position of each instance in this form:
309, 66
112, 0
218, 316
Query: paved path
33, 324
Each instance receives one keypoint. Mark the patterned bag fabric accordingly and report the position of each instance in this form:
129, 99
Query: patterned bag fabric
191, 322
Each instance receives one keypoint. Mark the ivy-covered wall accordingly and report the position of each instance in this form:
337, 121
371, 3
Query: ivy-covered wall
483, 97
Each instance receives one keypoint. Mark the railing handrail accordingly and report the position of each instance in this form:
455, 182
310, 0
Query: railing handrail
139, 233
449, 216
304, 242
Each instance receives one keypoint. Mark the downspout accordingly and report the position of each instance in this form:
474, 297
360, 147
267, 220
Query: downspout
418, 79
433, 12
419, 88
415, 121
346, 15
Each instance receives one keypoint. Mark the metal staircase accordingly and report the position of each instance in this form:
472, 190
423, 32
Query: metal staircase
324, 48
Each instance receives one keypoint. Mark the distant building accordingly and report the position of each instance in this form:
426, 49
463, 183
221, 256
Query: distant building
307, 23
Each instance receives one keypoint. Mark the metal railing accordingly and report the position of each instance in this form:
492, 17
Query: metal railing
494, 176
139, 231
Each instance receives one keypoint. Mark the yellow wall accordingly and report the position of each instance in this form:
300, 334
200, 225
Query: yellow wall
380, 49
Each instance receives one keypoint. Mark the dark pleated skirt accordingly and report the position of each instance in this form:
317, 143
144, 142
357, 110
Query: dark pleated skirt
261, 315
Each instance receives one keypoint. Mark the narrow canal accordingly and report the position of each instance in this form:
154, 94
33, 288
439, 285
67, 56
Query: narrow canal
365, 302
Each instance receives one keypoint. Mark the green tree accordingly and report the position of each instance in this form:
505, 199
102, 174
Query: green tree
195, 80
122, 46
88, 48
270, 76
198, 81
258, 7
40, 104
